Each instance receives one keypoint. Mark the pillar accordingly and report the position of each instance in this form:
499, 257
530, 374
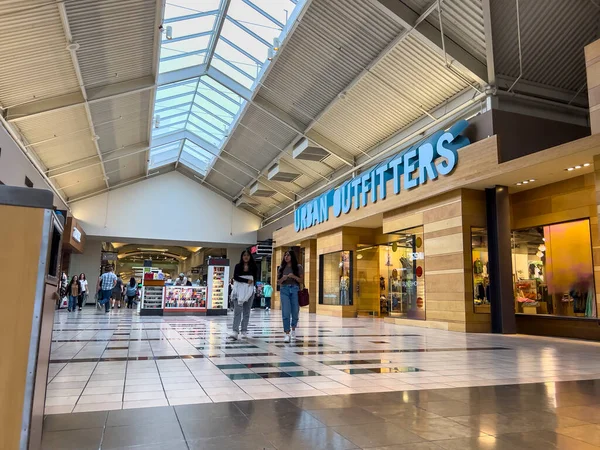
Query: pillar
310, 272
499, 245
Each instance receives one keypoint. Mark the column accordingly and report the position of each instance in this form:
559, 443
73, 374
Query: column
499, 244
310, 272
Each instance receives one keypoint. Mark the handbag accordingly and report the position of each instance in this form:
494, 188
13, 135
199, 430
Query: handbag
303, 297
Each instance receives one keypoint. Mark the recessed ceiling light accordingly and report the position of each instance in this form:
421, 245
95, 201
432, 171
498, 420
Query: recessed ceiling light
525, 182
570, 169
519, 184
587, 165
578, 167
532, 180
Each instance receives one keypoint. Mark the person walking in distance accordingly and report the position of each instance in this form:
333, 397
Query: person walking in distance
131, 292
117, 293
106, 282
244, 277
73, 291
268, 293
290, 276
84, 290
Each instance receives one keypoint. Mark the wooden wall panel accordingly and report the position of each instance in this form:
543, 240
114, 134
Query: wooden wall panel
592, 62
19, 263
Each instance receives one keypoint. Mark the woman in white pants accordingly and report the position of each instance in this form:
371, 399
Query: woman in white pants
244, 278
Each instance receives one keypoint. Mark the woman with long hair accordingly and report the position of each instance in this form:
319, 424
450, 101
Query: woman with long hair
290, 276
73, 291
84, 291
131, 292
244, 278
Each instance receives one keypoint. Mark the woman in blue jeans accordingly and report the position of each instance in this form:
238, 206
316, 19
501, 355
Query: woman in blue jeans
73, 292
289, 278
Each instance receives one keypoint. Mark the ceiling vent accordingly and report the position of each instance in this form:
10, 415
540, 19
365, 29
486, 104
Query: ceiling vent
282, 172
260, 190
244, 200
304, 149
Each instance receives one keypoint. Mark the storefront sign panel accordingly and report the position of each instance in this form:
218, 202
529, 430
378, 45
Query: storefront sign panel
415, 166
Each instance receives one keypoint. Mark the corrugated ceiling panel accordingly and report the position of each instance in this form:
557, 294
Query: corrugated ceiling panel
553, 35
35, 62
332, 44
410, 80
122, 121
59, 137
125, 168
116, 38
224, 184
462, 21
82, 181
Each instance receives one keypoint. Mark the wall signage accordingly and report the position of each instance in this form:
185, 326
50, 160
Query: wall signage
76, 234
412, 167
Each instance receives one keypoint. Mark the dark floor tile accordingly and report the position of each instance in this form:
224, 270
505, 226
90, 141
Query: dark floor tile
72, 439
77, 421
291, 420
276, 406
377, 434
545, 440
215, 427
439, 429
140, 435
142, 416
312, 438
325, 402
207, 410
412, 446
238, 442
344, 416
400, 412
450, 408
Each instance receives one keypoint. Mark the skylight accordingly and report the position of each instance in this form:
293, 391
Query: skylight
212, 55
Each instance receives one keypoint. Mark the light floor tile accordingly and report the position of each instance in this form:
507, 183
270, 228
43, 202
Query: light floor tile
62, 401
145, 403
111, 406
189, 400
105, 398
135, 396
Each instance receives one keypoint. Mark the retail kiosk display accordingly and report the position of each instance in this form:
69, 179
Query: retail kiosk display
218, 286
152, 297
185, 299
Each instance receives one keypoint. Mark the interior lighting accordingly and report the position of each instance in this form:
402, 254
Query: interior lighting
525, 182
578, 167
276, 44
539, 254
542, 248
570, 169
153, 249
156, 121
169, 33
519, 184
587, 165
270, 54
359, 256
532, 180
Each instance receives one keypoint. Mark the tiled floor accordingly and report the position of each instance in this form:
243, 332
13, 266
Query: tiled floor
121, 360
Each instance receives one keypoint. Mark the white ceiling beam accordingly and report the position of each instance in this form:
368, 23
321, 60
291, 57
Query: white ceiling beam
92, 161
489, 42
229, 83
72, 47
76, 99
463, 61
217, 30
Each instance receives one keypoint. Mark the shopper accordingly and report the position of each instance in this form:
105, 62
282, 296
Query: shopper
117, 293
82, 300
73, 291
182, 280
131, 292
106, 282
267, 292
244, 277
290, 276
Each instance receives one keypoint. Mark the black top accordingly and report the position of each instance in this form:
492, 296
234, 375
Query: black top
239, 271
69, 286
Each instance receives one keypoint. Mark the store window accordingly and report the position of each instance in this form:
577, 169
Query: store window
335, 280
480, 267
553, 270
402, 279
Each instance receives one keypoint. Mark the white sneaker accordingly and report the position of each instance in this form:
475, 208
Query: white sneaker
287, 338
244, 335
233, 335
293, 335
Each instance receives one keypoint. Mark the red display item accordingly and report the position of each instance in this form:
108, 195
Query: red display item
419, 271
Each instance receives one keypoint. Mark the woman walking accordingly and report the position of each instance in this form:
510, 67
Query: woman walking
131, 292
73, 291
244, 277
81, 300
290, 277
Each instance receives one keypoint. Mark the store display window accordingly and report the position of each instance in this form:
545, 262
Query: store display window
480, 267
335, 280
553, 270
402, 278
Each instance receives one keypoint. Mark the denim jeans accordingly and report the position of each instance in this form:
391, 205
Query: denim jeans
289, 305
238, 311
105, 299
72, 302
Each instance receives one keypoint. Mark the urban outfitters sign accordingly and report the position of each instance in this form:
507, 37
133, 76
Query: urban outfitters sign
423, 162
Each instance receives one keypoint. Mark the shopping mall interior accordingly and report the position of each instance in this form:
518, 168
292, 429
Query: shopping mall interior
300, 224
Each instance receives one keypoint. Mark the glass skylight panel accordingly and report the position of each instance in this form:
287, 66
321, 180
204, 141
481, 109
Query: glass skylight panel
178, 8
195, 157
165, 154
